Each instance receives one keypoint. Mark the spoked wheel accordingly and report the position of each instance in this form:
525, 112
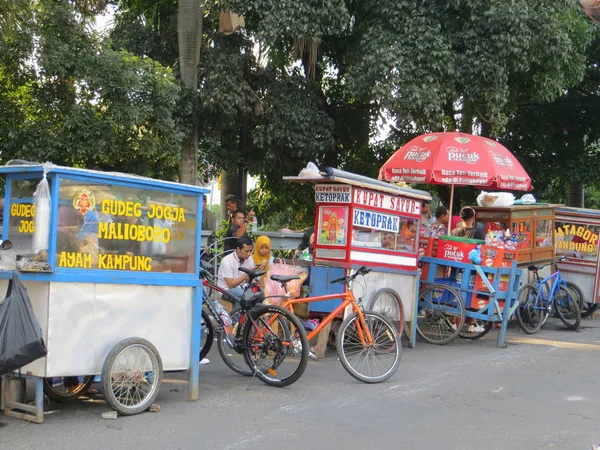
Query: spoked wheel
67, 388
388, 303
276, 346
369, 362
567, 307
229, 344
586, 309
441, 314
206, 336
530, 314
475, 329
131, 376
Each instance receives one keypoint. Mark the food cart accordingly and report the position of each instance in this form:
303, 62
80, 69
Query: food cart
533, 224
576, 234
119, 278
362, 221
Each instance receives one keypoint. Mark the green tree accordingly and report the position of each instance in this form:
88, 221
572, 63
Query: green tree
82, 103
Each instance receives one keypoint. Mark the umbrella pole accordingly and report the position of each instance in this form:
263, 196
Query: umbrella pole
450, 208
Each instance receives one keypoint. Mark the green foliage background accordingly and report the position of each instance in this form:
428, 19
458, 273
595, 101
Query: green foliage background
306, 80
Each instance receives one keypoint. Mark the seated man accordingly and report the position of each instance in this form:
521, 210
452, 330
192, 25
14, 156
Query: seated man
230, 277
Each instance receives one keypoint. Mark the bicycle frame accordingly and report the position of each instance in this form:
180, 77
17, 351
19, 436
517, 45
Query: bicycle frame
347, 299
556, 280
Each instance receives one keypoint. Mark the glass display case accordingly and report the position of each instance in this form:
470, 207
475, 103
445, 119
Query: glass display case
532, 224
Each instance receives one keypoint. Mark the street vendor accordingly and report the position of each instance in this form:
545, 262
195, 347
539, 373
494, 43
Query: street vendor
467, 227
230, 277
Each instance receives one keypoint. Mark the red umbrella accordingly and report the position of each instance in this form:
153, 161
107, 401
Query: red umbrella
455, 158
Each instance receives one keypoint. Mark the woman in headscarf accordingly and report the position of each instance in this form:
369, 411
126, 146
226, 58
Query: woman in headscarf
262, 253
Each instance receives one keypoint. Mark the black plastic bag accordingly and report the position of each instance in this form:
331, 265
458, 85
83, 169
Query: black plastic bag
20, 333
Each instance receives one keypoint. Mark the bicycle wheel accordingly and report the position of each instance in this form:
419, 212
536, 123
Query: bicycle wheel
229, 346
131, 376
475, 330
387, 302
586, 309
365, 362
67, 388
441, 314
567, 307
530, 315
206, 335
277, 356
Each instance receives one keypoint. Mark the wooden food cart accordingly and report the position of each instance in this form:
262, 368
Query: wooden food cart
362, 221
577, 233
533, 225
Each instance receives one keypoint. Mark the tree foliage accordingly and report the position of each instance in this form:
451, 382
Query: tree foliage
306, 80
67, 97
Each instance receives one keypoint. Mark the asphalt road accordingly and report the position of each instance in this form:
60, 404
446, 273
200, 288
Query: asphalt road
538, 393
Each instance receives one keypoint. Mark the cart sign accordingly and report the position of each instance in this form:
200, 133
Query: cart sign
389, 202
333, 193
375, 220
577, 240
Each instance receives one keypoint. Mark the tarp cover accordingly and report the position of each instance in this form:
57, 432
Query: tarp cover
20, 333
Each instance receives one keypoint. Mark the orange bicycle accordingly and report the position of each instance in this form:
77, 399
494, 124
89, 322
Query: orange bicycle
368, 345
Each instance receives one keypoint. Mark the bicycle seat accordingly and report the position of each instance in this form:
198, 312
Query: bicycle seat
284, 278
532, 268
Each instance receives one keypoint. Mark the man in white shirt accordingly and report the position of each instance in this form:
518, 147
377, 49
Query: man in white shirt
231, 278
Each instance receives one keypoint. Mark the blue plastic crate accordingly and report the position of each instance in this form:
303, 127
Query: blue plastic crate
446, 296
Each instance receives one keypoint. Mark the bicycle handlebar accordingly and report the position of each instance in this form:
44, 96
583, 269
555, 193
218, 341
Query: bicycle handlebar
362, 271
535, 268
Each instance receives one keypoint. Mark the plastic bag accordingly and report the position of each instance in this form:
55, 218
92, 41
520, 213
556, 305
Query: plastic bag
527, 199
294, 287
497, 199
310, 171
20, 333
41, 200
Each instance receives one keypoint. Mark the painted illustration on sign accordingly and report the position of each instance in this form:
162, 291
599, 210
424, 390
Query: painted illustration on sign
332, 225
577, 240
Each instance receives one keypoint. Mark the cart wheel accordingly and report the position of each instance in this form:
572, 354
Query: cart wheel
479, 330
441, 314
387, 302
131, 376
67, 388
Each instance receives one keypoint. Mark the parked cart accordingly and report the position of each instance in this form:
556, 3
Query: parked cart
465, 301
116, 291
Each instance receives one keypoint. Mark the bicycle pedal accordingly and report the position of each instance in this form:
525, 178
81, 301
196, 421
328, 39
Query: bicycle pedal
312, 356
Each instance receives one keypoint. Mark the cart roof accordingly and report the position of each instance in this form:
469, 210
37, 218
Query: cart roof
99, 176
331, 175
566, 210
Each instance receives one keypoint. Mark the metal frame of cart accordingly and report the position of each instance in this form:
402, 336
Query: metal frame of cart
106, 286
492, 310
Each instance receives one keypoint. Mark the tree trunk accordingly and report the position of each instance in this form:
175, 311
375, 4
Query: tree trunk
189, 33
576, 196
228, 186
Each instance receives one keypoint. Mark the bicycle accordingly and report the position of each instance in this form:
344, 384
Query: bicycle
368, 345
253, 335
538, 300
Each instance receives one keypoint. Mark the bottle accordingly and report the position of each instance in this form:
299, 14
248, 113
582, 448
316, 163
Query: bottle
332, 228
254, 224
222, 313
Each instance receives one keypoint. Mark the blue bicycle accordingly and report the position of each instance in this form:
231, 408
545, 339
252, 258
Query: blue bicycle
546, 296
